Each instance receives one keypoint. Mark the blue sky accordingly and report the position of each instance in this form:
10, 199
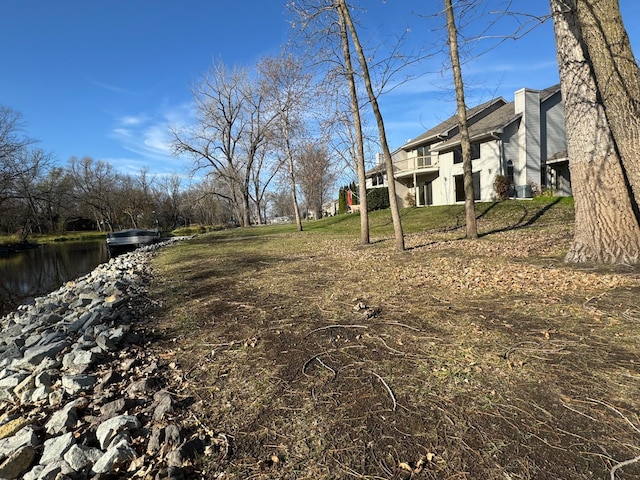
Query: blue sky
106, 78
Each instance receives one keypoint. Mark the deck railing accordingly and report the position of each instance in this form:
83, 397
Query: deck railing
415, 163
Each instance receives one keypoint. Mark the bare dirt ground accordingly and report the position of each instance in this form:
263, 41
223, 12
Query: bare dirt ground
310, 356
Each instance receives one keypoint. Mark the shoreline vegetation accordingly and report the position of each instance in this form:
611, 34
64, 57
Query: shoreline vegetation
12, 244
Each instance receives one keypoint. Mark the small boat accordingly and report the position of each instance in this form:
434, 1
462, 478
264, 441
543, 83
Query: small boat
130, 239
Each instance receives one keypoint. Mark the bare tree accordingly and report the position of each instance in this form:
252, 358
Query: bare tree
232, 127
393, 200
290, 93
315, 175
465, 142
170, 192
12, 146
599, 76
326, 40
95, 186
267, 167
358, 154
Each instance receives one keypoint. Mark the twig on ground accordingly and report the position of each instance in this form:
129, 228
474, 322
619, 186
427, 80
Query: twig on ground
327, 327
326, 366
309, 360
622, 464
398, 324
578, 412
627, 315
393, 398
611, 407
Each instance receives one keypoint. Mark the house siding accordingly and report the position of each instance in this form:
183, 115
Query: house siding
554, 138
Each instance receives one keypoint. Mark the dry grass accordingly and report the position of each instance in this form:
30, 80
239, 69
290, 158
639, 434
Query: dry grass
319, 358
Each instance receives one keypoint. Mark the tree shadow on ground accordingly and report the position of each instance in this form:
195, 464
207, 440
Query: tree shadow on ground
522, 223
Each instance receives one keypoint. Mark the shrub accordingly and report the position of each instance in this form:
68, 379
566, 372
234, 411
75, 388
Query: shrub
410, 199
501, 186
378, 198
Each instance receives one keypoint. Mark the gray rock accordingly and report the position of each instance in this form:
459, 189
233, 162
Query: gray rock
66, 418
80, 457
57, 470
116, 456
172, 434
185, 452
144, 386
105, 343
8, 357
114, 408
92, 319
170, 473
17, 463
163, 405
51, 337
79, 359
108, 379
108, 429
52, 318
156, 439
34, 473
45, 378
9, 383
56, 447
73, 384
34, 355
25, 437
40, 394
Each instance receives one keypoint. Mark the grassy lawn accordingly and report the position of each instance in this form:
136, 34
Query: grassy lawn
316, 357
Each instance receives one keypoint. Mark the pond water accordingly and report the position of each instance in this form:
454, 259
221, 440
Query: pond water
36, 272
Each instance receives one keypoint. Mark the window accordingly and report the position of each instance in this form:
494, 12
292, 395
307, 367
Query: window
510, 175
377, 179
475, 153
459, 184
423, 157
425, 194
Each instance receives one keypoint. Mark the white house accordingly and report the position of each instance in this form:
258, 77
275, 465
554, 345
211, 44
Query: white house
523, 140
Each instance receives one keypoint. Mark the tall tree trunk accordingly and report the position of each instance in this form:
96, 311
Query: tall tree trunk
606, 227
617, 78
292, 175
393, 200
357, 124
465, 142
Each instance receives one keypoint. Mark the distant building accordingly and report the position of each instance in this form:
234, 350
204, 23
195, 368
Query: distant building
523, 140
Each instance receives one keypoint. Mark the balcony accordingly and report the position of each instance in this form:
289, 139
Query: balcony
415, 164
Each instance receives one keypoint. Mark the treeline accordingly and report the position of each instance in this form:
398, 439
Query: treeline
88, 194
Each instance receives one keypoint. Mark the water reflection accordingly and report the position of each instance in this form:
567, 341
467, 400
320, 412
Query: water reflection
39, 271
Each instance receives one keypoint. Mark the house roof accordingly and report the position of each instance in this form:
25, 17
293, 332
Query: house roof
442, 130
378, 168
492, 123
547, 92
494, 115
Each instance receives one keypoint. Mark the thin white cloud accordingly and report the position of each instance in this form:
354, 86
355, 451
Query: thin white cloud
112, 88
132, 119
147, 136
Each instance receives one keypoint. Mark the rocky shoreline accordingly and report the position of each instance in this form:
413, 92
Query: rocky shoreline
81, 393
